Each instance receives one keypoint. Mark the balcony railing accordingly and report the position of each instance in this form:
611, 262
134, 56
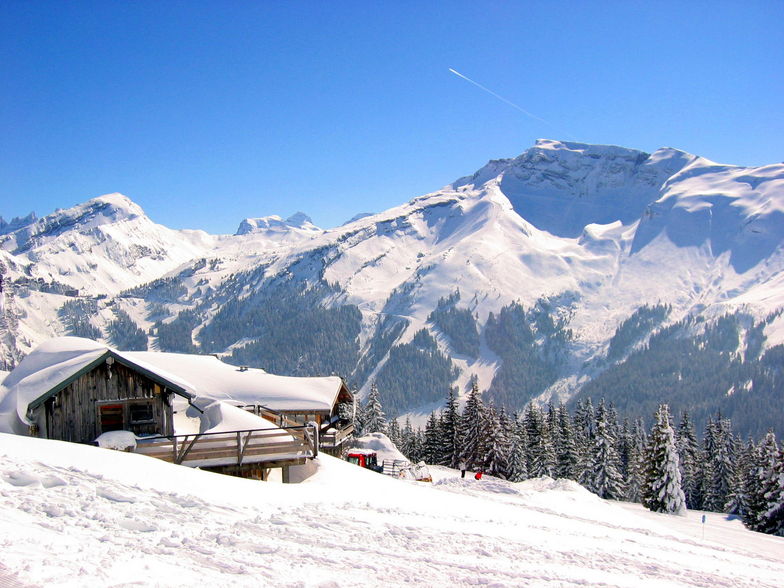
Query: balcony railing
335, 436
234, 447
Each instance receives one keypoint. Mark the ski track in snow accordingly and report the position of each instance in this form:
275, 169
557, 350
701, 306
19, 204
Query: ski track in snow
74, 526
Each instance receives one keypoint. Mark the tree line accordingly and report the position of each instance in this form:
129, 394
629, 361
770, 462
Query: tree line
665, 467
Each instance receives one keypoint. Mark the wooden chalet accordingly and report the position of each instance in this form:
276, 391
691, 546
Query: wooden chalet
186, 409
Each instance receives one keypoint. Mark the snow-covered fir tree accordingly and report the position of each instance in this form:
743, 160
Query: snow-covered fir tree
603, 477
472, 430
518, 468
450, 427
723, 469
738, 503
704, 492
496, 461
635, 478
662, 491
432, 447
393, 432
689, 457
567, 454
753, 487
408, 445
540, 448
584, 420
359, 417
374, 418
771, 519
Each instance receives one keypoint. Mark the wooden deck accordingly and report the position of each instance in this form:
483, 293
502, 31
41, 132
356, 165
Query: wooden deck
235, 448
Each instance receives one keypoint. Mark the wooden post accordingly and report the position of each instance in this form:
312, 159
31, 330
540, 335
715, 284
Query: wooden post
285, 469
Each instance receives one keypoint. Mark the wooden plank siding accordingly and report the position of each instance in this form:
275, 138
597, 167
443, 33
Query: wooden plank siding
73, 414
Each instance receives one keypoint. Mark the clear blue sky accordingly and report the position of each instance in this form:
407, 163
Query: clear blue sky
205, 113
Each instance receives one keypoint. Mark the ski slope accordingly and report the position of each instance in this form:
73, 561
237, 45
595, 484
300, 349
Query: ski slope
74, 515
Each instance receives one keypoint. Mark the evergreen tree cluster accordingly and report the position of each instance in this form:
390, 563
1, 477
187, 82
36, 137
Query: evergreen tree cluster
125, 334
529, 366
698, 367
633, 329
457, 324
666, 469
168, 289
176, 335
290, 331
414, 373
75, 316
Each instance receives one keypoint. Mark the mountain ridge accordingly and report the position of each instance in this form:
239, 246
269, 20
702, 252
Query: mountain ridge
582, 234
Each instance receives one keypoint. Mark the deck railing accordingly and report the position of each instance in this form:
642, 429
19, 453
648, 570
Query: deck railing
234, 447
333, 440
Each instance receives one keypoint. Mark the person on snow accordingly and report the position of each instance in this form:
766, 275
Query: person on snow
462, 467
478, 475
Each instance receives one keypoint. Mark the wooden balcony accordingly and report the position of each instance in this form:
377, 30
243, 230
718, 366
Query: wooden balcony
266, 447
333, 437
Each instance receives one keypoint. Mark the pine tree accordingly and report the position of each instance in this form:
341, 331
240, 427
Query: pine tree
635, 479
707, 496
408, 441
540, 448
723, 466
568, 457
755, 495
375, 420
771, 520
432, 440
603, 477
472, 429
393, 432
359, 417
738, 502
689, 456
624, 444
662, 491
450, 426
496, 461
584, 419
518, 469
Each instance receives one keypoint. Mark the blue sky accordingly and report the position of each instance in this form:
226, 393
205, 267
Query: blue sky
205, 113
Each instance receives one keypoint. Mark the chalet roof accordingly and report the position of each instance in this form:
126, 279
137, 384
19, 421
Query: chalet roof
206, 375
56, 363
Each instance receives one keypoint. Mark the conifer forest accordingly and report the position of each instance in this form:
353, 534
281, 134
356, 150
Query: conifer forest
667, 467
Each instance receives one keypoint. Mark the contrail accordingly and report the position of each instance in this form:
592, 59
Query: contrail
502, 99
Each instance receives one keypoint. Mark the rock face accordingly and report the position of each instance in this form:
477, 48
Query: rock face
542, 256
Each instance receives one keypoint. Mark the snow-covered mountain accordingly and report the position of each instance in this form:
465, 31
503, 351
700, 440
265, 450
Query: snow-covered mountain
102, 246
548, 257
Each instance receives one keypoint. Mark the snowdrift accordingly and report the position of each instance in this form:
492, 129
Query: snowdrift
76, 515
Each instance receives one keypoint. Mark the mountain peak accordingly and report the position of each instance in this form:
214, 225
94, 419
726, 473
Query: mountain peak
16, 223
106, 209
274, 223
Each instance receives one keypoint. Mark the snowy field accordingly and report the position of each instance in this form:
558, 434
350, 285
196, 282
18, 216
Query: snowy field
74, 515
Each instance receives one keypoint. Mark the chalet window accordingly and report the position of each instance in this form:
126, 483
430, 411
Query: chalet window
140, 413
128, 415
111, 417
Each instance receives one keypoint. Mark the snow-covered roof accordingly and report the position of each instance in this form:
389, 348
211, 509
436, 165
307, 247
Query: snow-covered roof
206, 375
56, 363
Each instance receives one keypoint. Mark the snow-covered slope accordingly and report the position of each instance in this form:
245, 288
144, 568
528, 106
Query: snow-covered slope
76, 515
586, 233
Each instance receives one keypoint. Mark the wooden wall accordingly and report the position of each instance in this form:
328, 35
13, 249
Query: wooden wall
73, 414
